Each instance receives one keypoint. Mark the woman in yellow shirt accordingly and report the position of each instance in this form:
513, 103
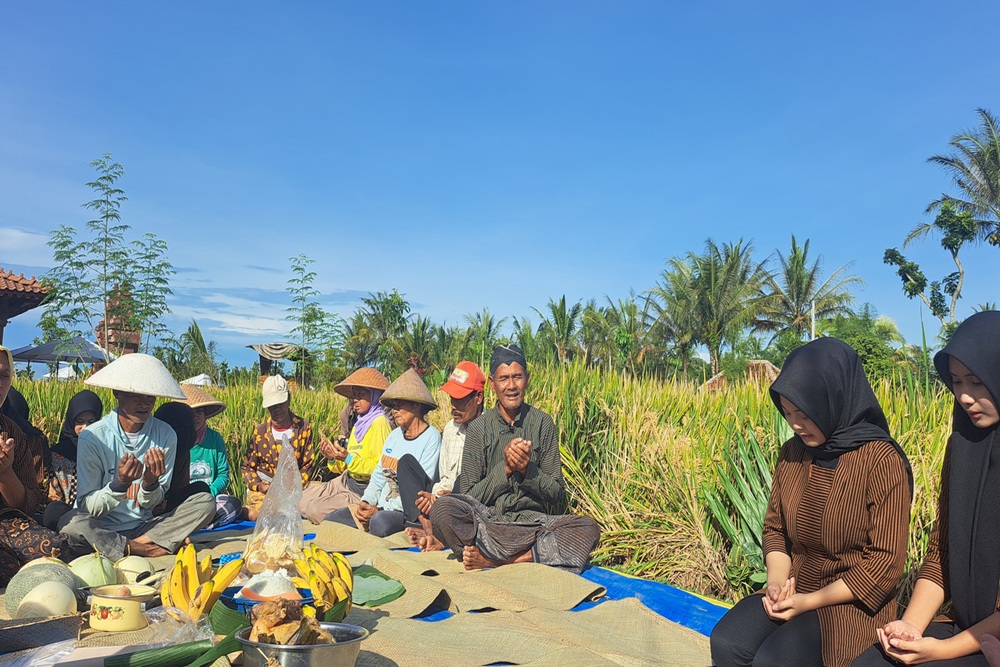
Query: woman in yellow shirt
353, 460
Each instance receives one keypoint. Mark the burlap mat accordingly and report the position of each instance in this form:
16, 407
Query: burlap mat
23, 634
434, 579
621, 632
334, 536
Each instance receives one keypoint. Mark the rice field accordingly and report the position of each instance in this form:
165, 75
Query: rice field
645, 457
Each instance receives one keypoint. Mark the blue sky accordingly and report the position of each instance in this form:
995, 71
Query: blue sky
492, 154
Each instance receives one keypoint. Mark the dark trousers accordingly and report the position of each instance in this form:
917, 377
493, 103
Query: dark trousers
874, 657
412, 478
747, 636
383, 524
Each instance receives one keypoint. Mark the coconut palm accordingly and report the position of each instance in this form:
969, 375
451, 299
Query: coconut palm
974, 165
728, 294
797, 291
561, 327
385, 317
671, 316
483, 333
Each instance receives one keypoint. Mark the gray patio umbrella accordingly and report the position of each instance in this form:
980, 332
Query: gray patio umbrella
70, 350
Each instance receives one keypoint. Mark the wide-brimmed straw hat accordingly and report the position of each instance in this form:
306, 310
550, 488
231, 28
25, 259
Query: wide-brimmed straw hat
137, 374
409, 387
199, 398
363, 377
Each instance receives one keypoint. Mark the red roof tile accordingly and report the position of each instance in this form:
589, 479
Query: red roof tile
18, 283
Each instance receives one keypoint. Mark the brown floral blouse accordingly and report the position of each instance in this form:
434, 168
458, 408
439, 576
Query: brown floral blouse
262, 454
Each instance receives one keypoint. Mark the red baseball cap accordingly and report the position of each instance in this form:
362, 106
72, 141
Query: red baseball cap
465, 379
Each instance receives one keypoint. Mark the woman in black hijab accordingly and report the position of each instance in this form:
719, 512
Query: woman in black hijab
963, 558
836, 524
84, 409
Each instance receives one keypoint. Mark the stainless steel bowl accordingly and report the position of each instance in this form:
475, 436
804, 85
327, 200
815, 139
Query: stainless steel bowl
342, 654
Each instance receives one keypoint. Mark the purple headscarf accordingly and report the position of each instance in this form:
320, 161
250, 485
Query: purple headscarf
366, 420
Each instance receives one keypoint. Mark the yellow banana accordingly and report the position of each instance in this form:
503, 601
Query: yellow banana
340, 588
309, 611
226, 573
319, 592
302, 566
344, 570
205, 569
178, 591
190, 570
299, 582
200, 601
324, 557
326, 574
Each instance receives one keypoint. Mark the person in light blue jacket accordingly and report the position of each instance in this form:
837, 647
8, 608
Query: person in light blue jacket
413, 445
125, 465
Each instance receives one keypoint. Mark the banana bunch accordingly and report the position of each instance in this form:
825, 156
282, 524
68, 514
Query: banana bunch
328, 575
191, 587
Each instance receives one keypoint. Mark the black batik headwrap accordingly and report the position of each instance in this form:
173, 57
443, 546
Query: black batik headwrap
84, 401
506, 354
974, 483
15, 407
826, 381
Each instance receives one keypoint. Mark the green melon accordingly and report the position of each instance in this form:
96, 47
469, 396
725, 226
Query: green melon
28, 578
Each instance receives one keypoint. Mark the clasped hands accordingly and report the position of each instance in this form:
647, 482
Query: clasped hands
150, 470
516, 456
906, 644
782, 603
364, 512
332, 449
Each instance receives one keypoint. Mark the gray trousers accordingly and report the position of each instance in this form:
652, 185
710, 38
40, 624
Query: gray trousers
167, 530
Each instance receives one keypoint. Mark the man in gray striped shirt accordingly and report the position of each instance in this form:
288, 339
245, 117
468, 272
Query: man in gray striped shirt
507, 509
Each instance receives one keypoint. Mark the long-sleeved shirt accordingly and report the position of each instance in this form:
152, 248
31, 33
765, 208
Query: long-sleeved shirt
848, 523
209, 463
450, 463
515, 497
362, 457
262, 454
100, 448
383, 489
23, 467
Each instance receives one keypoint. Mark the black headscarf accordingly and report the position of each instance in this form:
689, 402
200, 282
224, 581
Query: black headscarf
826, 381
974, 483
84, 401
16, 409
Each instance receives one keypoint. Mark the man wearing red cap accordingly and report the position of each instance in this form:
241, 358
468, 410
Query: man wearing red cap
465, 387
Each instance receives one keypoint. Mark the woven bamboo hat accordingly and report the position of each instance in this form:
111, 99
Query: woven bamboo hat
409, 387
199, 398
363, 377
137, 374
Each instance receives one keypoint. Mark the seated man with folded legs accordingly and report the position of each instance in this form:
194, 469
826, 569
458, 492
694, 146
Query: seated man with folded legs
125, 464
511, 489
465, 387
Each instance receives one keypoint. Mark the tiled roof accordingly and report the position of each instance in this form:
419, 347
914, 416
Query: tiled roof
9, 282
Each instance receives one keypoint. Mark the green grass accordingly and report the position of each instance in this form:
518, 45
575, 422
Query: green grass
663, 467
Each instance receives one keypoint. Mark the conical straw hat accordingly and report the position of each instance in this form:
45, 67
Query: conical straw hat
409, 387
363, 377
199, 398
138, 374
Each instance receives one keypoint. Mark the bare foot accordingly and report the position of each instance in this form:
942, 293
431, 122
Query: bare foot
252, 514
415, 535
473, 559
146, 549
430, 543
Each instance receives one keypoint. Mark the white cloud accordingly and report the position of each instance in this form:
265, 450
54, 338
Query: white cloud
18, 246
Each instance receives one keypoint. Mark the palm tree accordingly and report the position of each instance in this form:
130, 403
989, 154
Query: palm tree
417, 345
974, 165
385, 316
672, 316
483, 333
561, 326
728, 294
796, 293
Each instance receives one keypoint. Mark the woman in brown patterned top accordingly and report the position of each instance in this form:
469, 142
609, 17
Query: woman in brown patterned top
836, 526
962, 564
21, 538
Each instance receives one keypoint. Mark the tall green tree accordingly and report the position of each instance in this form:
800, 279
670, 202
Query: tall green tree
385, 316
974, 165
561, 324
483, 334
956, 229
797, 290
97, 281
672, 318
728, 294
